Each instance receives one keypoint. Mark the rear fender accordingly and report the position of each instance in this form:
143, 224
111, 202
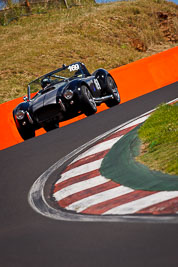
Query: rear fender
101, 75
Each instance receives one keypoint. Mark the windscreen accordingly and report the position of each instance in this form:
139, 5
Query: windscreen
71, 71
35, 86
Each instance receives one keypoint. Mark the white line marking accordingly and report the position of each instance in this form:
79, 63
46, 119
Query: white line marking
138, 121
98, 148
80, 186
85, 203
139, 204
108, 144
80, 170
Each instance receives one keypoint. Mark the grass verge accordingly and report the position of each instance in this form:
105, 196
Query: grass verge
159, 136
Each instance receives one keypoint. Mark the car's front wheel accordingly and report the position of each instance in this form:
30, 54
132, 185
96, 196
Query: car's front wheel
87, 101
51, 126
26, 132
112, 89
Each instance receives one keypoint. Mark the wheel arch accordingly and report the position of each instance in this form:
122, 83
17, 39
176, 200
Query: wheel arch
84, 83
27, 131
22, 106
101, 75
100, 71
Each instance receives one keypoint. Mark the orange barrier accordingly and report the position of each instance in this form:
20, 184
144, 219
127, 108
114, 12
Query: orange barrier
146, 75
133, 80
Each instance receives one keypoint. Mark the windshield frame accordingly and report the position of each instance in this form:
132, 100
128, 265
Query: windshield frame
50, 74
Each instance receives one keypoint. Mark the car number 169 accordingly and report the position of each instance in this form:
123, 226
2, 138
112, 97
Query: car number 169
74, 67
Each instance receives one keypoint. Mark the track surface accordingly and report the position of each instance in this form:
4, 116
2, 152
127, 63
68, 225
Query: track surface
29, 239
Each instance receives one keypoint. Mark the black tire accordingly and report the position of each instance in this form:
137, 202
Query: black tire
87, 101
26, 132
51, 126
112, 89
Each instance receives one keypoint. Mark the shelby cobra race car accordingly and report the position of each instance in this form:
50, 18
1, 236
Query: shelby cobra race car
61, 95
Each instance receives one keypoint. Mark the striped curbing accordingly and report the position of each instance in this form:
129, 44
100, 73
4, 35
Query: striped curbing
82, 189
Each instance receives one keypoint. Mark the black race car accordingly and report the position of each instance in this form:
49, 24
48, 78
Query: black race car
61, 95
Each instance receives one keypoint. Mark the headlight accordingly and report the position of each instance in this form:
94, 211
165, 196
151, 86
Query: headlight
20, 114
68, 94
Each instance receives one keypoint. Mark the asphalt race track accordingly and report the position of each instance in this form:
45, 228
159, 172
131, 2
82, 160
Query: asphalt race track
29, 239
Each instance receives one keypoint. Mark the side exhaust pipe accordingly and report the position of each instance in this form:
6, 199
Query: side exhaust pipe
104, 98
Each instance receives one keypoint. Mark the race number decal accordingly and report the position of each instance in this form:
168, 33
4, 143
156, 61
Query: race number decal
74, 67
98, 87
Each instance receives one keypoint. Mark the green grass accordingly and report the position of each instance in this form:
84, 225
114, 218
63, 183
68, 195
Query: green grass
159, 136
97, 35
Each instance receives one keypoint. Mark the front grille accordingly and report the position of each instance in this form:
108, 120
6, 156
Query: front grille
47, 113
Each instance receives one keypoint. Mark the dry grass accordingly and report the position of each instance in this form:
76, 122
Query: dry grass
98, 35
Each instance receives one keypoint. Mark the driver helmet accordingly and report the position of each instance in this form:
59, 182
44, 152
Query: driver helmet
44, 82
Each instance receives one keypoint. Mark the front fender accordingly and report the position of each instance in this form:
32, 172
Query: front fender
25, 107
22, 106
76, 85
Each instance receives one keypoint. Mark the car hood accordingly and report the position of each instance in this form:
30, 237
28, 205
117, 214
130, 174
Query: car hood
48, 97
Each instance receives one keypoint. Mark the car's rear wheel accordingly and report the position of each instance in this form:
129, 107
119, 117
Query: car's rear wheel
51, 126
112, 89
87, 101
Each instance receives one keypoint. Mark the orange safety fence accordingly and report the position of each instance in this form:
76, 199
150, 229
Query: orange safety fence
133, 80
